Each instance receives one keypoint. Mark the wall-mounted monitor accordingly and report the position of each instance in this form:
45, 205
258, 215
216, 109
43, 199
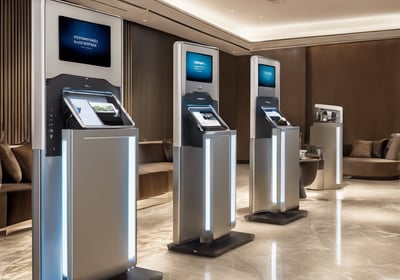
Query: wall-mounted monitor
199, 67
84, 42
266, 76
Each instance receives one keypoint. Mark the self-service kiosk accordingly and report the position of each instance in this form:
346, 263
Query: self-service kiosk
84, 148
204, 156
326, 133
274, 150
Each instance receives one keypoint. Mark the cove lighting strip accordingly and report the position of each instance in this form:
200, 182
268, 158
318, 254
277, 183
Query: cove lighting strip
207, 169
259, 28
132, 199
274, 174
64, 206
233, 180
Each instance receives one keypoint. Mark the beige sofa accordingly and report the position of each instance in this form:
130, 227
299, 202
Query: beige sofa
155, 168
373, 159
15, 184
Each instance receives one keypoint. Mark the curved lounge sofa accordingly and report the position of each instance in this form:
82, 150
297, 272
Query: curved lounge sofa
373, 168
373, 159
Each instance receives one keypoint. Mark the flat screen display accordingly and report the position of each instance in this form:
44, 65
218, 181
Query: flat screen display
84, 42
266, 75
199, 67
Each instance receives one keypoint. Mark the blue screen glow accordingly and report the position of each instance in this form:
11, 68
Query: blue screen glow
266, 75
84, 42
198, 67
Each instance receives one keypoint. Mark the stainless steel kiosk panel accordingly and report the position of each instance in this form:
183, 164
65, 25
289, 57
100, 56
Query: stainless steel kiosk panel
99, 202
274, 150
204, 158
327, 133
84, 148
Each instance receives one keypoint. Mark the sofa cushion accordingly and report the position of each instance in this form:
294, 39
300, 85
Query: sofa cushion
361, 148
393, 151
378, 148
155, 167
24, 157
14, 187
11, 168
168, 149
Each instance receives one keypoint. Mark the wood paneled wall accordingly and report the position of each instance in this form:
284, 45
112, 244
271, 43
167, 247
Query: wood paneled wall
243, 108
148, 80
364, 78
15, 70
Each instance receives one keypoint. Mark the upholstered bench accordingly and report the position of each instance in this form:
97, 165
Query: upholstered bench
155, 168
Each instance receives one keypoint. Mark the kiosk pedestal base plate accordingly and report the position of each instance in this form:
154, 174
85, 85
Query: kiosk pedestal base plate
138, 273
216, 247
277, 218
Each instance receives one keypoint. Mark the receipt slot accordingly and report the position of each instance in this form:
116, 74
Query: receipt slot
327, 133
84, 148
274, 150
204, 193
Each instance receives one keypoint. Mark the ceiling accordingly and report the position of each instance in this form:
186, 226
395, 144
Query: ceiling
240, 26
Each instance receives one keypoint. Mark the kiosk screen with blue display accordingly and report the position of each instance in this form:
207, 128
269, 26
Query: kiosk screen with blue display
84, 42
199, 67
266, 75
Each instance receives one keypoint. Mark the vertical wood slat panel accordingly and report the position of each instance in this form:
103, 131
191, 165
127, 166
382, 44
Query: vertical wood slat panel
15, 92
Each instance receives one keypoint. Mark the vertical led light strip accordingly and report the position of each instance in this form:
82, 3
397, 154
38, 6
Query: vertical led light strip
338, 155
132, 199
207, 178
273, 261
274, 169
283, 169
64, 209
233, 179
339, 199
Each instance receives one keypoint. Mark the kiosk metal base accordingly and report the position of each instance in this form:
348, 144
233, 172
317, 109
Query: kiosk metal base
277, 218
216, 247
138, 273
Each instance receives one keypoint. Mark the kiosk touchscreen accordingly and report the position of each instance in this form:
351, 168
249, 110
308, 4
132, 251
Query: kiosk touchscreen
274, 150
94, 109
84, 148
326, 133
204, 158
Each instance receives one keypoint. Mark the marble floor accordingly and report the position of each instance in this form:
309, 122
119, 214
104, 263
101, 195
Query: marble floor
350, 233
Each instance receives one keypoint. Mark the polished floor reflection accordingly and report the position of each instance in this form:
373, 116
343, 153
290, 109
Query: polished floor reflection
350, 233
